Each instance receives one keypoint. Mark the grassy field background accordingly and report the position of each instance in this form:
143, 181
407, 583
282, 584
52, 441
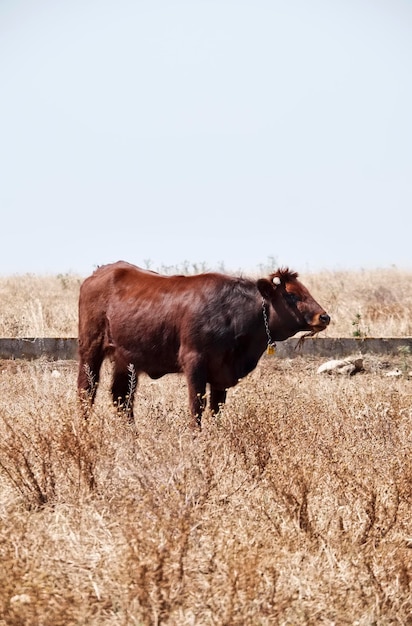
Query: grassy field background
292, 507
374, 303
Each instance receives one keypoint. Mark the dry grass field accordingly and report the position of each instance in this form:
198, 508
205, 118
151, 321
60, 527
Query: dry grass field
375, 303
292, 507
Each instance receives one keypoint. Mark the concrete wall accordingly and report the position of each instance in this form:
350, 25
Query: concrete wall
62, 349
54, 349
340, 347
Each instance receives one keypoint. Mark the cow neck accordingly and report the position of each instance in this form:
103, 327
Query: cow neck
271, 344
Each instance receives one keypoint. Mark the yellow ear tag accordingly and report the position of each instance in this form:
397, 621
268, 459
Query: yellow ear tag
271, 348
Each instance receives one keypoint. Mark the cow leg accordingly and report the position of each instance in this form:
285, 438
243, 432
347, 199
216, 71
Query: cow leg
196, 380
197, 401
88, 377
124, 385
217, 398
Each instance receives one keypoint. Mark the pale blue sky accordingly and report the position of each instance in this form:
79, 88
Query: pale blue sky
212, 131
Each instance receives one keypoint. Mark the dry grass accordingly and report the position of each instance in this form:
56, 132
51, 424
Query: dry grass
292, 507
375, 303
39, 306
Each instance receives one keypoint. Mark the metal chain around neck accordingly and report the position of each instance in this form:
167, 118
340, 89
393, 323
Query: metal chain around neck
271, 343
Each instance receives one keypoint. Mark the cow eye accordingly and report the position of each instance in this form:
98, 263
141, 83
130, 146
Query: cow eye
291, 298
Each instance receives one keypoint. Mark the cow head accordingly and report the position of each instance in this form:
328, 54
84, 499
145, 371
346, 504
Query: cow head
294, 307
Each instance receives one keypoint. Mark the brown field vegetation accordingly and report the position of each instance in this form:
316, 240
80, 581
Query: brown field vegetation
374, 303
291, 507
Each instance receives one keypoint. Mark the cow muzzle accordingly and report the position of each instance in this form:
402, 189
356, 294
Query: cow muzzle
320, 322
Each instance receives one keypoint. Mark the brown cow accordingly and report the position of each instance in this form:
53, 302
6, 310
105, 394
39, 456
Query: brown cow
212, 327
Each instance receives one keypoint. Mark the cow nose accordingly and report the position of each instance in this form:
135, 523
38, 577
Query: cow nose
325, 319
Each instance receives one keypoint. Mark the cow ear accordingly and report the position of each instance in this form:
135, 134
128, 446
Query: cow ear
266, 287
